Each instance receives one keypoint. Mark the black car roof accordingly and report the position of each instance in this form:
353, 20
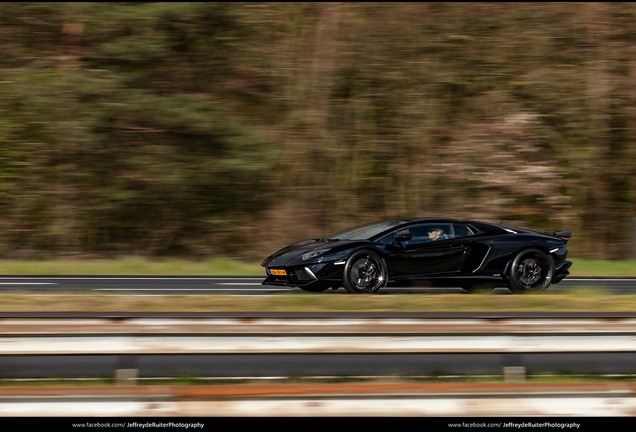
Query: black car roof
487, 226
431, 219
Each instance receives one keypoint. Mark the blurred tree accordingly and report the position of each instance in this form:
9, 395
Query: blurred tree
107, 162
156, 128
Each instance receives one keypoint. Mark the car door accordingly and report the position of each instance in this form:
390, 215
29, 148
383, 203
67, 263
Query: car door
421, 257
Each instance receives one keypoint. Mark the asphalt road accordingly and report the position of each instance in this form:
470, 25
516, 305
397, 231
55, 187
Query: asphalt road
152, 285
315, 365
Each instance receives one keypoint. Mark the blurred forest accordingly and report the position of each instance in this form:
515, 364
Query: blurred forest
192, 129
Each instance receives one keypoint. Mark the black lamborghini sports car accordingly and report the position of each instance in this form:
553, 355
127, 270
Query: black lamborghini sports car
425, 251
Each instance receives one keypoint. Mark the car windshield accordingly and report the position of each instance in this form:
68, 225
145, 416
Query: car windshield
364, 232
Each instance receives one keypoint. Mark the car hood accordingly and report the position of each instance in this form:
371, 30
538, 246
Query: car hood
292, 252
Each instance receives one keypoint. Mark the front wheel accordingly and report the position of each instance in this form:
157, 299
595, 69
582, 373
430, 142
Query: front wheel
532, 270
364, 272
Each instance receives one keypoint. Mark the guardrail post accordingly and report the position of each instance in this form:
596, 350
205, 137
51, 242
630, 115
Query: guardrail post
513, 371
514, 374
127, 372
126, 377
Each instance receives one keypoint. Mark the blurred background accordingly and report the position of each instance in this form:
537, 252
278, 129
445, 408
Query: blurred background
196, 129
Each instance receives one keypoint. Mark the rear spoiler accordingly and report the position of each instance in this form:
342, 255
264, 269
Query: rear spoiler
562, 234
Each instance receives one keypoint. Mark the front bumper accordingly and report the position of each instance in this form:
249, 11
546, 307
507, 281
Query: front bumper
310, 274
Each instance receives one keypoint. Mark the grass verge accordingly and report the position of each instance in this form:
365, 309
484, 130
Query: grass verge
539, 378
133, 266
581, 267
582, 300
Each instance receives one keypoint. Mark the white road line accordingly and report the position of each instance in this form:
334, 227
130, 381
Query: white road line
240, 283
29, 283
599, 280
190, 289
134, 278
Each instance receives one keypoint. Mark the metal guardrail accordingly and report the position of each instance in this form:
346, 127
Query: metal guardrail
132, 337
247, 336
45, 337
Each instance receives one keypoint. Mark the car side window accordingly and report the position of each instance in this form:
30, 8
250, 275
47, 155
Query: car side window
462, 230
420, 234
387, 239
429, 232
425, 233
390, 238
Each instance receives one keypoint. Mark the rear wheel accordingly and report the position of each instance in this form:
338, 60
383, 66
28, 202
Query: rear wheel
532, 270
364, 272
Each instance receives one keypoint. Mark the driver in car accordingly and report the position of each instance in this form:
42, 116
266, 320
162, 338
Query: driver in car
436, 233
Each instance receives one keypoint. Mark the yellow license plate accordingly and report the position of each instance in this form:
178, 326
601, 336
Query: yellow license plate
279, 272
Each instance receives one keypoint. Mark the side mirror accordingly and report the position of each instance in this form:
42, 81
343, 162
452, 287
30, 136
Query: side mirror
403, 237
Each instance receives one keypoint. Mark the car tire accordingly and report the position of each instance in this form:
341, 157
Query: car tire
314, 289
364, 272
531, 271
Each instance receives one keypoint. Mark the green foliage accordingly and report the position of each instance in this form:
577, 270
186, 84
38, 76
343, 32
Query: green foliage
115, 167
168, 128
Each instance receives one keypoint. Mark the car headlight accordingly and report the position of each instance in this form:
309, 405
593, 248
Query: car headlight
313, 254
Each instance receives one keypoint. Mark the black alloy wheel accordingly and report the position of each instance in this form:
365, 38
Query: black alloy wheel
532, 271
364, 272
